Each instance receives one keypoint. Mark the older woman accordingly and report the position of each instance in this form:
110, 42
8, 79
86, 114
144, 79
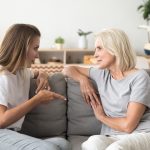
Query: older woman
124, 108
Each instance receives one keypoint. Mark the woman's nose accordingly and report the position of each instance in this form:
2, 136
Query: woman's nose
37, 55
95, 54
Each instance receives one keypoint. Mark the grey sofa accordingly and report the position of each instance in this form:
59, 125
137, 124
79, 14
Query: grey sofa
72, 119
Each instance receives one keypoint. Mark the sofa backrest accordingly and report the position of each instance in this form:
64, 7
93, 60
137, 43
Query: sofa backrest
48, 120
81, 119
60, 118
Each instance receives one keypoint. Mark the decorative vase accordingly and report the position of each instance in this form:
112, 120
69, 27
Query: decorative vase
82, 43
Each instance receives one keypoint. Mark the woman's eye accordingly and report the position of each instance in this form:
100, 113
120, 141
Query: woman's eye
98, 48
35, 48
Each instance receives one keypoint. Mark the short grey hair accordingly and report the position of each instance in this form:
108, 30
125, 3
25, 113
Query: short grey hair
117, 43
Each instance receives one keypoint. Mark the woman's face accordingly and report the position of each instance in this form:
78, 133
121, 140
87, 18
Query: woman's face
32, 52
103, 57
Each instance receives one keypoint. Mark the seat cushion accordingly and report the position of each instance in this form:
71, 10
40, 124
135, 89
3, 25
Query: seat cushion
81, 119
48, 120
76, 141
148, 71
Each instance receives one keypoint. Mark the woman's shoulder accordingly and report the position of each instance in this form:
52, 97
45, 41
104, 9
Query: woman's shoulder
142, 73
146, 72
98, 73
137, 73
3, 73
141, 77
3, 79
96, 69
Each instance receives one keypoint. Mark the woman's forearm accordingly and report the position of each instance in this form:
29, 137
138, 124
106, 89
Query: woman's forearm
76, 73
119, 124
10, 116
35, 73
129, 122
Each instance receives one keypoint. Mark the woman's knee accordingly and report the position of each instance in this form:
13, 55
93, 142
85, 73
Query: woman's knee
97, 138
63, 144
66, 146
116, 146
132, 141
47, 146
96, 142
39, 145
60, 142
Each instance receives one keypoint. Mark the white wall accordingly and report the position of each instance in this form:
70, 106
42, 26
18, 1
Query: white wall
64, 17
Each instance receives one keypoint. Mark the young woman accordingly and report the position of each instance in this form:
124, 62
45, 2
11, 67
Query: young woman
124, 108
18, 51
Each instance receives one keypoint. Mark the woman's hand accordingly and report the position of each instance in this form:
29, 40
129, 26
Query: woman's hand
81, 75
44, 96
42, 81
98, 109
88, 91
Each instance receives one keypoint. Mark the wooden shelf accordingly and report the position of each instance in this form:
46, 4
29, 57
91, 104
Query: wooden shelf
65, 49
65, 55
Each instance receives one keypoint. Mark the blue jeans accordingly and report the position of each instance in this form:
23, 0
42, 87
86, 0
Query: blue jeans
11, 140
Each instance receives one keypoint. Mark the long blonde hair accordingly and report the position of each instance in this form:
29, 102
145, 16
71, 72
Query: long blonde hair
117, 43
13, 50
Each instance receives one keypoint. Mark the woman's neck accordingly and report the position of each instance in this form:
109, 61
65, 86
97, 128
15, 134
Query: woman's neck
117, 74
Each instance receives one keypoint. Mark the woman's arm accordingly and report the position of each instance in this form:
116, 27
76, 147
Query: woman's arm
10, 116
81, 75
35, 73
41, 80
77, 73
126, 124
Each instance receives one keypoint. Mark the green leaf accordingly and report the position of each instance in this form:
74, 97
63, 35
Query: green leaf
59, 40
82, 33
141, 6
145, 9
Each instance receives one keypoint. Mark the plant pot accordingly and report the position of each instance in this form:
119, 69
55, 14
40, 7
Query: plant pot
147, 48
82, 43
59, 46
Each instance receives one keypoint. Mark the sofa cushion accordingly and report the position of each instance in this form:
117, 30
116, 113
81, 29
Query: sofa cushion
48, 120
76, 141
81, 119
148, 71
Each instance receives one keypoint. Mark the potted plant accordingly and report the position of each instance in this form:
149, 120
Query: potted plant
145, 10
59, 41
83, 43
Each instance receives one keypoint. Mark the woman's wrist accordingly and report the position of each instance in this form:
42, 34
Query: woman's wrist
36, 74
44, 75
83, 79
36, 100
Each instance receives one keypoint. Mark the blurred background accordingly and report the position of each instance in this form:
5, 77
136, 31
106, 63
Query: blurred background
64, 17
